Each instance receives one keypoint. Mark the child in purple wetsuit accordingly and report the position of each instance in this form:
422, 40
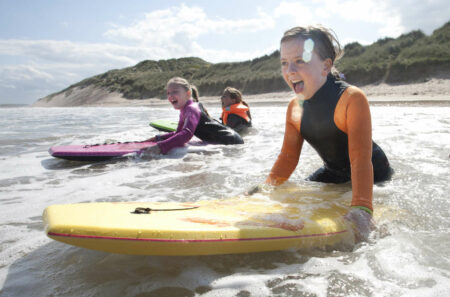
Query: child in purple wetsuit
194, 120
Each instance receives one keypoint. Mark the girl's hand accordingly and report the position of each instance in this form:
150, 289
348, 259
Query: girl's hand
362, 223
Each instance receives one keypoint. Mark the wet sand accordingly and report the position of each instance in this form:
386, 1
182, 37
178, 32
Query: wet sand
433, 91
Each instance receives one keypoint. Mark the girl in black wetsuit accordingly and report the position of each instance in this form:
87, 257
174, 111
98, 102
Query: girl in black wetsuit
194, 120
333, 117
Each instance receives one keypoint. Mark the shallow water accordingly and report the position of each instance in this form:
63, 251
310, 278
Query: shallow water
407, 256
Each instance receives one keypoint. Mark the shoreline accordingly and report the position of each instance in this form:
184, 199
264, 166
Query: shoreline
434, 91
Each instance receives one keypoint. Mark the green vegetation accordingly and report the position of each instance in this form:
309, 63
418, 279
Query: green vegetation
410, 57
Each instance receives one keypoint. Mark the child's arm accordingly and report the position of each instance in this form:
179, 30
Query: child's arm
162, 137
353, 117
292, 146
183, 134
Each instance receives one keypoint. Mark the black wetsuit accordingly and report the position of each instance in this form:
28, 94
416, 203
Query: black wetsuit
211, 130
238, 123
320, 131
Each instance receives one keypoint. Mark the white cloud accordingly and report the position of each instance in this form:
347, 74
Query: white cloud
387, 18
426, 15
303, 14
70, 52
368, 12
332, 11
176, 28
174, 33
48, 66
22, 73
25, 83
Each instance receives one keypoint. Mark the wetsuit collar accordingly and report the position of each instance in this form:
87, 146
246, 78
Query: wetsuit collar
323, 89
189, 102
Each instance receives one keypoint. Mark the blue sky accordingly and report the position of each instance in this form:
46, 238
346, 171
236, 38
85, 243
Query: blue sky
47, 45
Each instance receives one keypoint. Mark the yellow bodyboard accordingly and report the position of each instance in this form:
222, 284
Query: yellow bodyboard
236, 225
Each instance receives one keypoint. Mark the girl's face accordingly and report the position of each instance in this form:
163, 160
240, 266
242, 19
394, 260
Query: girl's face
177, 96
227, 101
302, 69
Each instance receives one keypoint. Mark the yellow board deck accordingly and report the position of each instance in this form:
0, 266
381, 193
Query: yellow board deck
235, 225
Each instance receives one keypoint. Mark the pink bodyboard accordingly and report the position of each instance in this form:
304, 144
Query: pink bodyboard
98, 152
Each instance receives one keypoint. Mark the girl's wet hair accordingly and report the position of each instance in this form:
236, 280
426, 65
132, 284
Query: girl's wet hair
236, 95
326, 44
179, 81
195, 94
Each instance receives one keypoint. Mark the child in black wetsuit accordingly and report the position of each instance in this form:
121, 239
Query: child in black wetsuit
333, 117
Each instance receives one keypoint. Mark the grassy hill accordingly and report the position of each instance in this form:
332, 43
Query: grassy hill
410, 57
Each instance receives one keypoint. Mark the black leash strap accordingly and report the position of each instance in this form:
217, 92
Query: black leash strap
98, 144
147, 210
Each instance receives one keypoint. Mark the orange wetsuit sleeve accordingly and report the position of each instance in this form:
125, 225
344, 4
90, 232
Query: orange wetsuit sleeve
292, 145
352, 116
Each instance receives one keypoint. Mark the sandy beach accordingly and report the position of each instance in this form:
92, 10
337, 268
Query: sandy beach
433, 91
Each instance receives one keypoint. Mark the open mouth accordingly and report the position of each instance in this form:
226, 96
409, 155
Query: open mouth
174, 102
298, 86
